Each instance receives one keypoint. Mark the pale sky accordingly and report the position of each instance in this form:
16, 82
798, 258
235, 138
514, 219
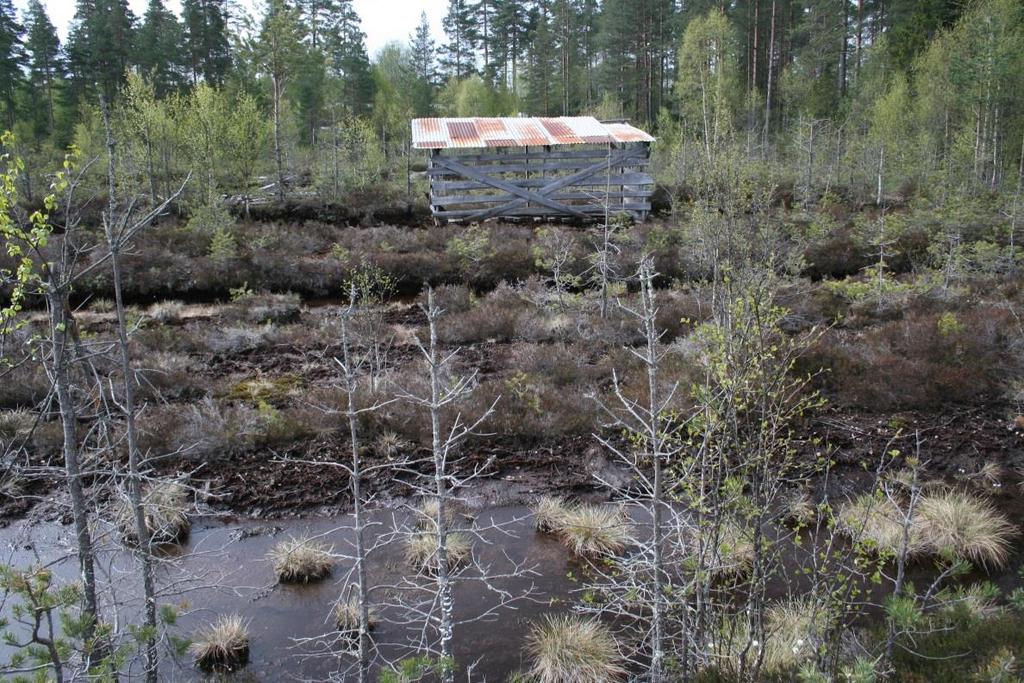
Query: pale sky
383, 20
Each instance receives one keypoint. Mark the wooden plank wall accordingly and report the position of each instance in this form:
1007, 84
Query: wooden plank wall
579, 182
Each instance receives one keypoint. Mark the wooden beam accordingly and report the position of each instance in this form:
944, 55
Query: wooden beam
625, 179
511, 188
558, 184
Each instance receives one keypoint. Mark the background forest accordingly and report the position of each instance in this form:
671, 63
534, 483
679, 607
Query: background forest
867, 97
258, 409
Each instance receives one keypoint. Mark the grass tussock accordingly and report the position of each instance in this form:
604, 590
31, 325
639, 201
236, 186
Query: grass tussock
167, 311
421, 550
16, 424
594, 530
301, 560
966, 526
799, 510
426, 514
571, 649
165, 506
734, 555
346, 617
791, 629
549, 513
223, 645
879, 524
945, 522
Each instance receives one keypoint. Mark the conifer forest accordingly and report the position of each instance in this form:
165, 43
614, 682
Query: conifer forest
743, 403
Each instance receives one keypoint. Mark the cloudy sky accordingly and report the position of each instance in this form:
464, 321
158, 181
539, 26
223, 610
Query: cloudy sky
383, 20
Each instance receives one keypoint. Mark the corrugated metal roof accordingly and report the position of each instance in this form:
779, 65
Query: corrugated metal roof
520, 132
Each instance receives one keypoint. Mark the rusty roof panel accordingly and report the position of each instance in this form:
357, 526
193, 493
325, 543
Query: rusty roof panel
528, 132
441, 133
623, 132
560, 132
462, 130
490, 127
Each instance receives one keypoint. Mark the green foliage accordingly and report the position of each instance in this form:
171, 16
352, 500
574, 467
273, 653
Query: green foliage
707, 83
44, 627
413, 669
472, 245
223, 245
24, 242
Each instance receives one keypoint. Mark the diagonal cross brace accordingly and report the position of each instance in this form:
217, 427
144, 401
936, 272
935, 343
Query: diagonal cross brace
538, 196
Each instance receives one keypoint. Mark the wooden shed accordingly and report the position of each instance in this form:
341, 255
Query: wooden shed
567, 167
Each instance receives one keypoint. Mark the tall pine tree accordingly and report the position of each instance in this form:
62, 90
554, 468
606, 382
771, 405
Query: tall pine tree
422, 48
207, 49
159, 49
44, 69
542, 76
100, 47
512, 29
346, 49
11, 57
458, 57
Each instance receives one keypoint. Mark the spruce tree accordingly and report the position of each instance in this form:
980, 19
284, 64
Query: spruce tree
542, 98
207, 50
159, 50
422, 47
458, 57
485, 11
346, 49
512, 29
44, 68
100, 47
320, 18
11, 58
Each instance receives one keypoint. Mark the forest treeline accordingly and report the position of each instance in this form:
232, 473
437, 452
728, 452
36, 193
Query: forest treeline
862, 96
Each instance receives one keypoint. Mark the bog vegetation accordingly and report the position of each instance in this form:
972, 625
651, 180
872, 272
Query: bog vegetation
776, 429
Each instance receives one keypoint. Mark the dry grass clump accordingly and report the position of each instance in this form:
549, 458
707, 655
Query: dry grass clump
222, 645
346, 617
165, 507
790, 638
549, 513
735, 552
799, 509
791, 627
878, 522
166, 311
420, 550
389, 444
594, 530
426, 514
990, 475
570, 649
16, 424
966, 526
301, 560
945, 522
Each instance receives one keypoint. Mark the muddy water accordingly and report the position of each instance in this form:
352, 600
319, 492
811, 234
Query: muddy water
222, 570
